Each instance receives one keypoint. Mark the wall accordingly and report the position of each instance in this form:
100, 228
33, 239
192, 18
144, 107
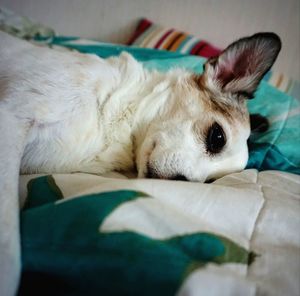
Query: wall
217, 21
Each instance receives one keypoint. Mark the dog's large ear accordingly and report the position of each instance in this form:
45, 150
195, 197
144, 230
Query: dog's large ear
242, 65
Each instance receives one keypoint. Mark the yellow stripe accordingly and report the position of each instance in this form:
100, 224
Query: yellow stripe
178, 42
170, 40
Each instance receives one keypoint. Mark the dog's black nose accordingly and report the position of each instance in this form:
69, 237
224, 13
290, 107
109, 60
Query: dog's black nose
179, 178
154, 174
210, 180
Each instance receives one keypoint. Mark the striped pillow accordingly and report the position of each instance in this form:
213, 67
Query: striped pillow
151, 35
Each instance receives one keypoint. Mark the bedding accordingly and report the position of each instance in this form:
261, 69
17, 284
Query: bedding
88, 235
150, 35
85, 234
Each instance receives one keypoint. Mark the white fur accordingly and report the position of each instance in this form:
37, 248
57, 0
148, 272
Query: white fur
68, 112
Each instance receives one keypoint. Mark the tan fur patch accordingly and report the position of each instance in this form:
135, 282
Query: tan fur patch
230, 107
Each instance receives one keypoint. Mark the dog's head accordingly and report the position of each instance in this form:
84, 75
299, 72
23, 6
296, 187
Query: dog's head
201, 132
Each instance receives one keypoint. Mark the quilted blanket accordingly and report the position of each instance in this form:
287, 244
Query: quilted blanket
90, 235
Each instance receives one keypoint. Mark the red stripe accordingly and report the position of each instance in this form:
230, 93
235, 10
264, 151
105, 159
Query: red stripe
196, 47
143, 25
209, 51
204, 49
200, 48
161, 40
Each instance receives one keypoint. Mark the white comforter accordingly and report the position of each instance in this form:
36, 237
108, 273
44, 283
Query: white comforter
259, 211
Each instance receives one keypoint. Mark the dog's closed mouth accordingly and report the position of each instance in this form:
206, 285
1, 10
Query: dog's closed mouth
210, 180
179, 177
152, 173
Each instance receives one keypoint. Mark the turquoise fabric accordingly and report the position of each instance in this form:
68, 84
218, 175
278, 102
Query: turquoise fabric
67, 254
279, 147
276, 149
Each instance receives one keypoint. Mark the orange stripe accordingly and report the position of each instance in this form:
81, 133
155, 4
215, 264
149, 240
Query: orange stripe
178, 42
175, 34
279, 81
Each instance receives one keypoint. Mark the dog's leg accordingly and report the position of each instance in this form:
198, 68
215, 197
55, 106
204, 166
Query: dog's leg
12, 140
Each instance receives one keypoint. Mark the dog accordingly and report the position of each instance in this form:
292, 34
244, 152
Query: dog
63, 112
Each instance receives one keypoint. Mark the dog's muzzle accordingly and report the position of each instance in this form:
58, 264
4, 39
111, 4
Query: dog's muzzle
154, 174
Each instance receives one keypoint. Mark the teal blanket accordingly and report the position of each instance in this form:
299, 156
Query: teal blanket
276, 149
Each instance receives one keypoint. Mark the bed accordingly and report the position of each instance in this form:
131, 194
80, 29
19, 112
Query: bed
86, 234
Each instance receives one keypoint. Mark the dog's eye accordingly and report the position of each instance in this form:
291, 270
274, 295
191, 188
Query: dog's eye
215, 139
